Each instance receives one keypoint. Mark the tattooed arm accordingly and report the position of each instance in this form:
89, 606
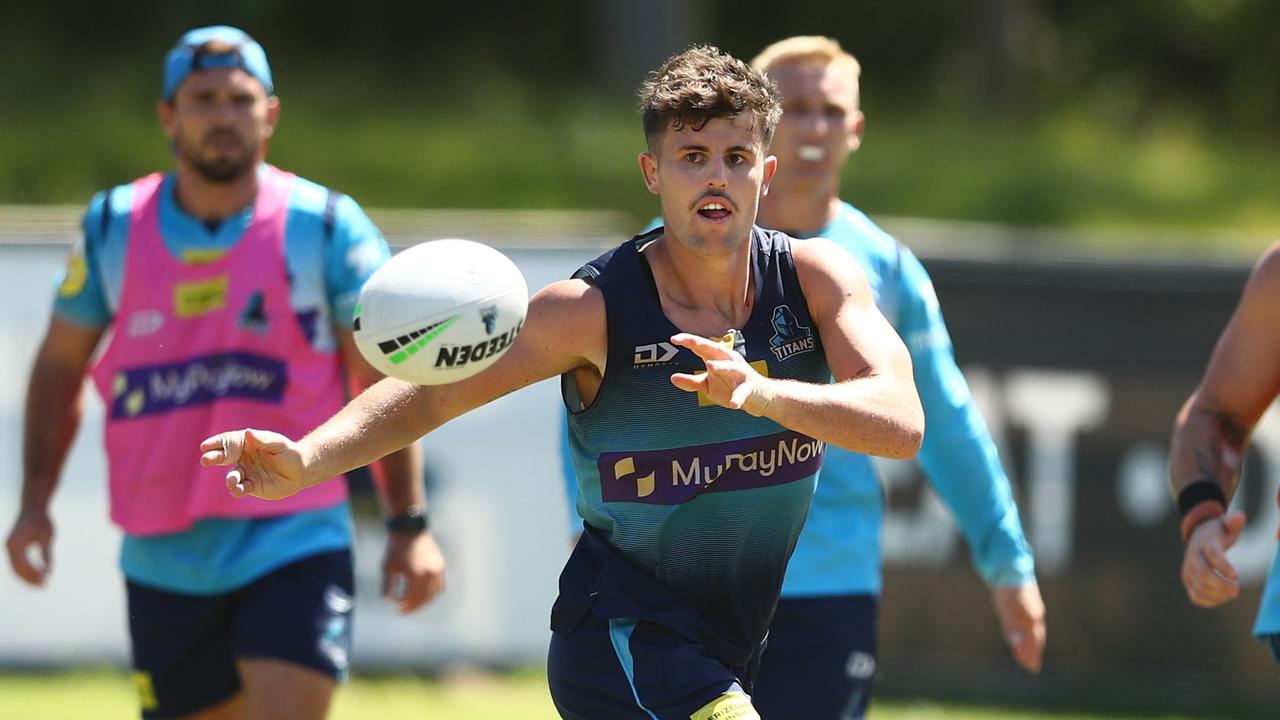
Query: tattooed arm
1209, 438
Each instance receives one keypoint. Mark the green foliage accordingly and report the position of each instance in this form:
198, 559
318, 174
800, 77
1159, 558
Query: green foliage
507, 148
1065, 171
1154, 114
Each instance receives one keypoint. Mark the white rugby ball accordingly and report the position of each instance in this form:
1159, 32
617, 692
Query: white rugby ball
440, 311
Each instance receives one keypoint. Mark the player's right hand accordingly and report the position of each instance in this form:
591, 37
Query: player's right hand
31, 528
267, 465
729, 381
1207, 575
1020, 610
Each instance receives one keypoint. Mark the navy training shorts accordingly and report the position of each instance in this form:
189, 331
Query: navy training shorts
185, 647
625, 669
820, 659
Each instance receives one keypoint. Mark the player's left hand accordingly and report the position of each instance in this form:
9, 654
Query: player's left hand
1021, 612
729, 381
1207, 575
412, 570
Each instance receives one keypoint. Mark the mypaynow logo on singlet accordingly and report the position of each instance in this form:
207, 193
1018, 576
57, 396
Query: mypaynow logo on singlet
199, 381
677, 475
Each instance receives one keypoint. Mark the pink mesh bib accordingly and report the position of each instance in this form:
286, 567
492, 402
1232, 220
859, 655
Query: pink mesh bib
200, 348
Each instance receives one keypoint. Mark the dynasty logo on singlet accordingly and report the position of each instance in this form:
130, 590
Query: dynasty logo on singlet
659, 353
789, 336
198, 381
677, 475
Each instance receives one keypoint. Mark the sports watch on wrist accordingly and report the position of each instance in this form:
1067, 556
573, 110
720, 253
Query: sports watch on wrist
412, 520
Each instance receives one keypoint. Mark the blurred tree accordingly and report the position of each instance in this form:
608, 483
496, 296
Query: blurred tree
1210, 60
1076, 111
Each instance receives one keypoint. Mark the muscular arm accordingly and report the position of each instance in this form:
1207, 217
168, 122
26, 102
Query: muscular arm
52, 416
565, 329
398, 474
1240, 383
873, 407
412, 566
1211, 431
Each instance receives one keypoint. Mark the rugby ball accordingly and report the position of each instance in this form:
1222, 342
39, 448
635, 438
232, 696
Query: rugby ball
440, 311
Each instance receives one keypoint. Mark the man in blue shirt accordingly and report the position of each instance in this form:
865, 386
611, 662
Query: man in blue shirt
233, 612
822, 643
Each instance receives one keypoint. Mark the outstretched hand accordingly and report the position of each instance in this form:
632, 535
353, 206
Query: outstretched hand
729, 381
267, 465
1209, 578
1021, 612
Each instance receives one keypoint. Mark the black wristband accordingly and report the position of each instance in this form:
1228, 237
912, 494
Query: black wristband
1197, 492
413, 520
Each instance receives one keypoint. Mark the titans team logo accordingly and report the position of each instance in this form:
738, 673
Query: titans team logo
789, 336
254, 315
489, 316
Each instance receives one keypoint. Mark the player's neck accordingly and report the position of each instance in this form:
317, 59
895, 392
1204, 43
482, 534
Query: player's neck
799, 211
702, 294
213, 202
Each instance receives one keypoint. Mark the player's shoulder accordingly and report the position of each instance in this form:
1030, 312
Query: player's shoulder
108, 211
821, 261
1269, 263
618, 261
332, 213
1265, 278
310, 199
571, 295
818, 250
571, 314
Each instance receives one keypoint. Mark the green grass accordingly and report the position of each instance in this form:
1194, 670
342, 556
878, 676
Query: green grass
522, 695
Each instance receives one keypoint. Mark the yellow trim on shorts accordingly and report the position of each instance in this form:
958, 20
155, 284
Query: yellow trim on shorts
730, 706
146, 691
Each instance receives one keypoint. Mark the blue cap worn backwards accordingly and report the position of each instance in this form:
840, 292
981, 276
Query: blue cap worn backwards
186, 57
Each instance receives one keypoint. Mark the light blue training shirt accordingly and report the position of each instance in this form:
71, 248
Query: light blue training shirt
839, 552
1268, 622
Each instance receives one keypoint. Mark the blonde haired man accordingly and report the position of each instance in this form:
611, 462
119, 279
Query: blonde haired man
821, 655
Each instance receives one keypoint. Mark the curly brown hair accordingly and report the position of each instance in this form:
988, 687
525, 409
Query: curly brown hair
702, 83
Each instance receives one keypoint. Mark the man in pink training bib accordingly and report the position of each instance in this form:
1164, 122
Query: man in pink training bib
229, 288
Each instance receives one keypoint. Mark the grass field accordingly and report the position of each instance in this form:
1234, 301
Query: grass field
105, 695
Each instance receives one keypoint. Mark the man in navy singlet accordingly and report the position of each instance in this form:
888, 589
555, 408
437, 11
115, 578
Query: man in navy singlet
706, 366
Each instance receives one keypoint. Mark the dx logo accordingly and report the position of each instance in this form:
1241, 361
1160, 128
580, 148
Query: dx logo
654, 353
